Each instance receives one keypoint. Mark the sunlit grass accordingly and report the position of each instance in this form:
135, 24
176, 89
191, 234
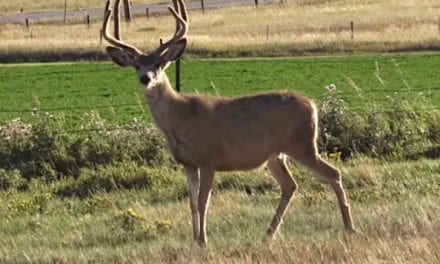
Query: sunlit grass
399, 227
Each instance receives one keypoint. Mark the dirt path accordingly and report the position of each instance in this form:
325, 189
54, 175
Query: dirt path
136, 10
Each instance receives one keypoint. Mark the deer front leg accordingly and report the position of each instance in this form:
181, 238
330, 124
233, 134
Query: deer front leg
193, 178
206, 179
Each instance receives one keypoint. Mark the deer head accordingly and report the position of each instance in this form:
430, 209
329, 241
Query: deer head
150, 67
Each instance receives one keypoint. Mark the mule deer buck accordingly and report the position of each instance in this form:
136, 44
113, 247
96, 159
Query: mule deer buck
208, 134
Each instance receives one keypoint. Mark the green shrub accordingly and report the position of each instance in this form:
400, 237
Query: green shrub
340, 129
135, 141
45, 150
396, 133
29, 205
36, 151
133, 226
11, 179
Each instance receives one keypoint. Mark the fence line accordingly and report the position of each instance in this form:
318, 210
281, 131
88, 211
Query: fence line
58, 109
297, 60
139, 104
135, 129
356, 110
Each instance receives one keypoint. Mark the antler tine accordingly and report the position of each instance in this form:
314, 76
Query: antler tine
181, 25
107, 7
182, 10
112, 40
117, 18
177, 8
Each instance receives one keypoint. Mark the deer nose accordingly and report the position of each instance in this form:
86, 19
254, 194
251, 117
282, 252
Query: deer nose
144, 79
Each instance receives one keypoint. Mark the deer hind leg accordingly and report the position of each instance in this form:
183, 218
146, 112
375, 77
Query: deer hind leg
193, 178
310, 158
278, 168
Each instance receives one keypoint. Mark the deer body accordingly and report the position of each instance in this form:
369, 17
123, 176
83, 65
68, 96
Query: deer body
207, 134
224, 133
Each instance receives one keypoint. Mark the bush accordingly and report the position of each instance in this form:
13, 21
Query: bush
29, 205
35, 150
11, 179
46, 150
135, 141
340, 129
397, 133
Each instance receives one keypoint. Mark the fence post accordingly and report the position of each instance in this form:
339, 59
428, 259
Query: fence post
88, 20
438, 24
27, 24
147, 12
256, 3
267, 32
178, 75
101, 35
65, 11
352, 29
127, 11
202, 2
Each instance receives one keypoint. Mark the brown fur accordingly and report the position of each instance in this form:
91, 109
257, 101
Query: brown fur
223, 134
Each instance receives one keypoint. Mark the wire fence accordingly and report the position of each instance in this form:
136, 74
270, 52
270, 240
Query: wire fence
347, 95
314, 60
342, 95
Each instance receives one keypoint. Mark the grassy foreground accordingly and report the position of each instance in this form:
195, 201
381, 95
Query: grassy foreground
296, 28
395, 206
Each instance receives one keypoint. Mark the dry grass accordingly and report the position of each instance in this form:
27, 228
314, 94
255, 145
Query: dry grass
391, 232
380, 26
308, 27
399, 226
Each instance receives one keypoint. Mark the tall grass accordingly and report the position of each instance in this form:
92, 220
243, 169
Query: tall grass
127, 226
318, 27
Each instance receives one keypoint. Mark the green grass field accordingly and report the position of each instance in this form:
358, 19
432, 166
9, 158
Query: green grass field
73, 89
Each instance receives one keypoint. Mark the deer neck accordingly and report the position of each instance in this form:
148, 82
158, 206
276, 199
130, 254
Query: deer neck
163, 101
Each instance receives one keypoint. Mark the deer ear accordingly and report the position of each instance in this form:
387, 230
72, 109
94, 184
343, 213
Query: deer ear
120, 57
174, 52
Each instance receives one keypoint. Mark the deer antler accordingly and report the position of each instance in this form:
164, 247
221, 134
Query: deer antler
116, 40
180, 14
117, 19
181, 10
178, 11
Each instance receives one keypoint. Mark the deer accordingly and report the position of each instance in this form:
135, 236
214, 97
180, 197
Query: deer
208, 134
